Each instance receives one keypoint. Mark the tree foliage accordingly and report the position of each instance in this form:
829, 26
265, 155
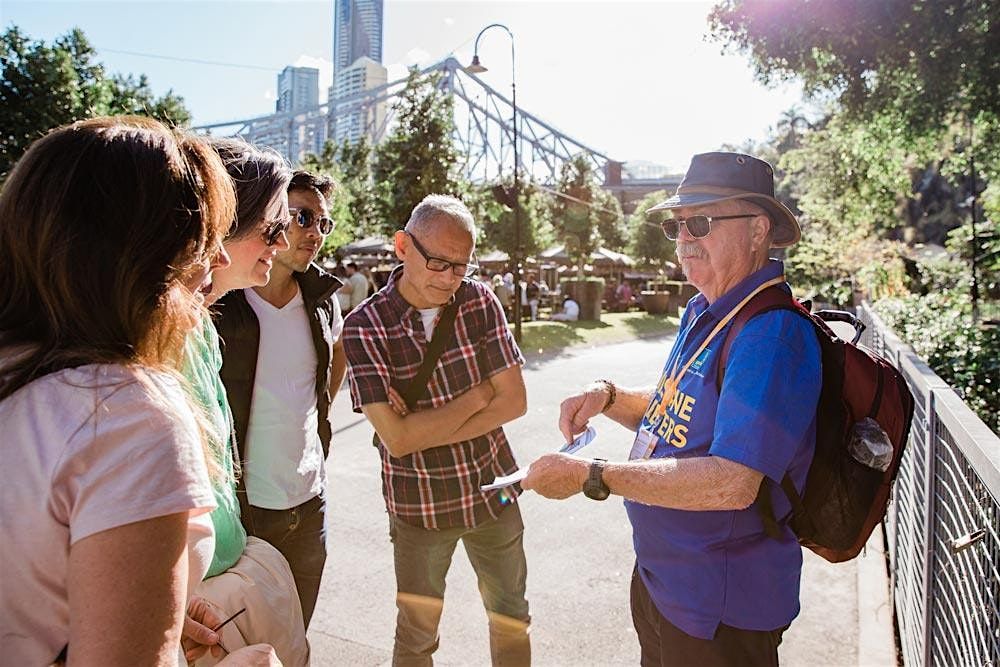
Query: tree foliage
48, 85
353, 207
647, 244
580, 211
920, 60
496, 220
418, 158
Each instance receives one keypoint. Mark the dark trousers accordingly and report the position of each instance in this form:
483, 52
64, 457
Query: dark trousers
422, 558
299, 534
665, 645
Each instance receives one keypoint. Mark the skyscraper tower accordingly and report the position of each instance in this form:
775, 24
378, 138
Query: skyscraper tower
298, 88
357, 32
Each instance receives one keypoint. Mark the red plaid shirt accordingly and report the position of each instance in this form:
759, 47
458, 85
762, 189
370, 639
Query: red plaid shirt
384, 339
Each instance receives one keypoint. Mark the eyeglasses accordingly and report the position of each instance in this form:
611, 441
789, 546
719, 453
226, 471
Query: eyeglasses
439, 265
698, 226
306, 217
273, 229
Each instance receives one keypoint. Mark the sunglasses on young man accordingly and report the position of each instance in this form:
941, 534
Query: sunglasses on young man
439, 265
306, 218
698, 226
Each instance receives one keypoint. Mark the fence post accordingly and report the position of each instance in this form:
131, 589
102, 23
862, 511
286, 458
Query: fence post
930, 467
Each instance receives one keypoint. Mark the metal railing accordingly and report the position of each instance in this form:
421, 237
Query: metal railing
943, 526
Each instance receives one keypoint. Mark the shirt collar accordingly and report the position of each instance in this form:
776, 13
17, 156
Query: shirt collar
400, 305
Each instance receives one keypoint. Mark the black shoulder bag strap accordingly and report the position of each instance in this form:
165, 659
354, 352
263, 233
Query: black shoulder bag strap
443, 333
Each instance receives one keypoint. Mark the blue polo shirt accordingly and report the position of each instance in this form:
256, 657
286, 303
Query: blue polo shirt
703, 568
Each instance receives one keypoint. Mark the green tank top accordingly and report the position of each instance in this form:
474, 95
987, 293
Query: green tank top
202, 361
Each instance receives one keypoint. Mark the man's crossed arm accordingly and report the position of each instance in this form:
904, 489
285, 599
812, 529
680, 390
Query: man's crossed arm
483, 408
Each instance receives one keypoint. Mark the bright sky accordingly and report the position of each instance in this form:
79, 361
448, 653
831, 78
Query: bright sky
633, 80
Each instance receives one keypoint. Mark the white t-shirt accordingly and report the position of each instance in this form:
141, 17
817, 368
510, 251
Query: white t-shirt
429, 317
86, 450
285, 465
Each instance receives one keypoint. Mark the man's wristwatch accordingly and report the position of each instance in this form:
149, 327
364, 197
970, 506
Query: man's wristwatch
595, 488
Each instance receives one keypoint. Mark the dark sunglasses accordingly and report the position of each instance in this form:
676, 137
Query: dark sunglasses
306, 217
698, 226
273, 229
439, 265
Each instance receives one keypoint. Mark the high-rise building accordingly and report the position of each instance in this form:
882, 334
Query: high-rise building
298, 89
357, 32
347, 121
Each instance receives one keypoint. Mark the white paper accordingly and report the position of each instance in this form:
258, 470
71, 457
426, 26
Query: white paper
578, 443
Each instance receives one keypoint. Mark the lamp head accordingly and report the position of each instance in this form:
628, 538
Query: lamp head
475, 67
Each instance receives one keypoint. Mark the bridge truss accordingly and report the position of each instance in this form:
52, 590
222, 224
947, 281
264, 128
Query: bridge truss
484, 129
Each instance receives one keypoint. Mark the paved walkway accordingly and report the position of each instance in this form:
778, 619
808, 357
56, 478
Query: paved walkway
579, 553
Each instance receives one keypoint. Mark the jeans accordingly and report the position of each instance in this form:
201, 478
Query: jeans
422, 558
299, 534
665, 645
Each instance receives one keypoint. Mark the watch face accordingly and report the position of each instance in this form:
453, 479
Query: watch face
596, 491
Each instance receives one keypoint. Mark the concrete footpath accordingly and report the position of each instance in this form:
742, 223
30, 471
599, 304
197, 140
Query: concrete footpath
579, 552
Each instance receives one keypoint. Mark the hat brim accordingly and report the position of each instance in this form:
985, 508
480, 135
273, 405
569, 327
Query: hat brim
786, 228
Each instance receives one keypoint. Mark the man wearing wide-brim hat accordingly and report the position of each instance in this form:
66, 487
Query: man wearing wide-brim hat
710, 587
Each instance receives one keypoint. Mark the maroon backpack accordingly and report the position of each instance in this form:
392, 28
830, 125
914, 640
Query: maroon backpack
862, 425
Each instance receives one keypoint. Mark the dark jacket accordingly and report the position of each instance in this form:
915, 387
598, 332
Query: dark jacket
240, 333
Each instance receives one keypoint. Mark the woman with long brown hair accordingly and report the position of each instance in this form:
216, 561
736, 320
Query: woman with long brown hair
109, 232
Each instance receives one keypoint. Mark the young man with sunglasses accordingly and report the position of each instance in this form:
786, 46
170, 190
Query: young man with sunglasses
282, 365
710, 586
444, 440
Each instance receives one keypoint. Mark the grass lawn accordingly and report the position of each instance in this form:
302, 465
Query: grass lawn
549, 337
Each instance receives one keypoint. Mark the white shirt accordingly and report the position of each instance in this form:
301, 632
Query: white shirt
429, 317
88, 449
285, 465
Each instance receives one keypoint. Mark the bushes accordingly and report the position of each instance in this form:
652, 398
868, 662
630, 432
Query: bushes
939, 328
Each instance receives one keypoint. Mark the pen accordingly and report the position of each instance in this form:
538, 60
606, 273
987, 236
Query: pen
219, 626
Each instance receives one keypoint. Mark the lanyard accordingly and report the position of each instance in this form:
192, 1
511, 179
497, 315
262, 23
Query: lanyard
674, 378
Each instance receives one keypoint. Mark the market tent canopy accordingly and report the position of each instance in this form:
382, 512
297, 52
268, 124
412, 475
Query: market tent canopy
600, 257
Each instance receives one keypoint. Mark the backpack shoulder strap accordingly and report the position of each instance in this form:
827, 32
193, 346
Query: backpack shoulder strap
773, 298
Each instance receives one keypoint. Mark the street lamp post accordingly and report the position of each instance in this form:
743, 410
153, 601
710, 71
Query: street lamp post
476, 68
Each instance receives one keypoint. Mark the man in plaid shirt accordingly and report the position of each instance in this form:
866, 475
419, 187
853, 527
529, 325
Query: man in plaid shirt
436, 457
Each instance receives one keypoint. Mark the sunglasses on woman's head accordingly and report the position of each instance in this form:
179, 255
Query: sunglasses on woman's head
273, 229
306, 217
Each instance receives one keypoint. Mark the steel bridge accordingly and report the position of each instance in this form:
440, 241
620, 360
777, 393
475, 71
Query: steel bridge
484, 133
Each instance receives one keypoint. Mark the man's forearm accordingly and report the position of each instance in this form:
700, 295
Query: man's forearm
422, 430
338, 368
700, 483
629, 406
500, 411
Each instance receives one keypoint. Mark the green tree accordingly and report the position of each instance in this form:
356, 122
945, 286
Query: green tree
577, 208
353, 206
647, 244
496, 220
418, 157
45, 86
921, 60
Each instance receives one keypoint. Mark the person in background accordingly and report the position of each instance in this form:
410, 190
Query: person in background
110, 230
246, 573
531, 294
359, 284
570, 311
282, 365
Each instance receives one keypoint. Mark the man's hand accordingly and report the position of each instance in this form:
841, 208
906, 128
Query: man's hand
575, 412
197, 637
557, 476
